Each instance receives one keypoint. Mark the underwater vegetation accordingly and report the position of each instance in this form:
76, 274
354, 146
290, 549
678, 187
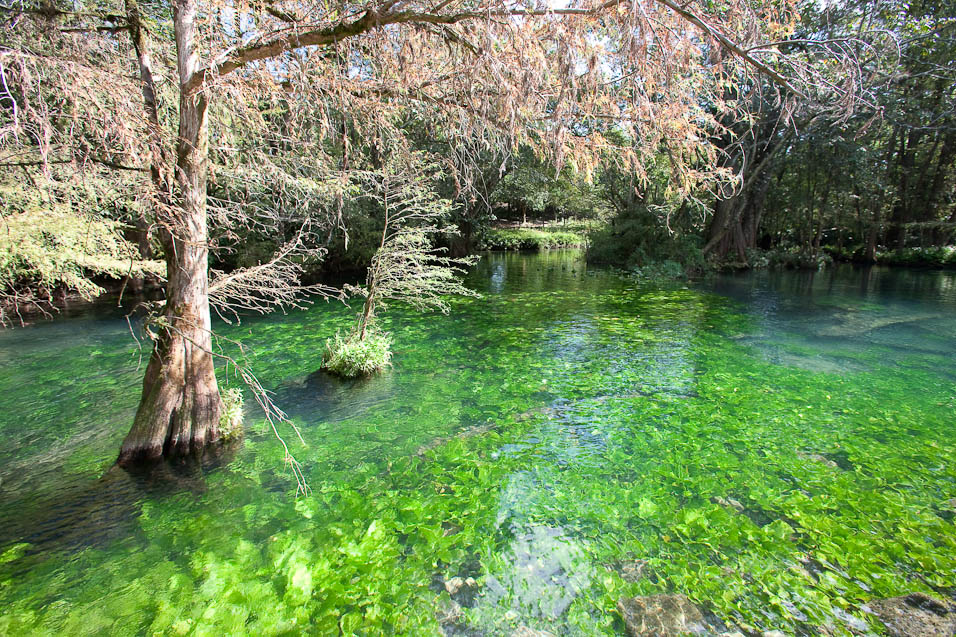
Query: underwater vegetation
570, 439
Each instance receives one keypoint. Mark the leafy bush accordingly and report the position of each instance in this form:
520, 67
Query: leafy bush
530, 239
230, 417
44, 250
928, 257
351, 356
798, 259
793, 258
659, 271
632, 244
758, 259
931, 257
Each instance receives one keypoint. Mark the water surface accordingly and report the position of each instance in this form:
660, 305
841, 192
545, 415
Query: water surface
776, 446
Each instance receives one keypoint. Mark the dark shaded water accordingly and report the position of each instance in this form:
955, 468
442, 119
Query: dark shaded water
777, 446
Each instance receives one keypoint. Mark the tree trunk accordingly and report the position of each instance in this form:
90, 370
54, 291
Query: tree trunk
869, 254
727, 234
178, 413
158, 164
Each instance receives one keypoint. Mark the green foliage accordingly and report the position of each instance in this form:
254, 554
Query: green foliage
533, 190
942, 256
544, 238
47, 249
230, 415
792, 258
659, 271
407, 266
637, 243
350, 356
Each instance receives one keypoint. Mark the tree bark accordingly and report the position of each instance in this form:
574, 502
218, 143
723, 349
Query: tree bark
179, 409
158, 164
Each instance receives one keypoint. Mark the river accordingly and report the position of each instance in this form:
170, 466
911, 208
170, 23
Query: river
775, 445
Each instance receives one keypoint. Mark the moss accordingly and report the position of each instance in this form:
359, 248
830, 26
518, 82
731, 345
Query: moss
351, 356
230, 417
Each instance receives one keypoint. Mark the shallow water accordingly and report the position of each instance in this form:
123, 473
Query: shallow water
776, 446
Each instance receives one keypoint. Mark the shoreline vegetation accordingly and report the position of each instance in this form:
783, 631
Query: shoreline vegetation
541, 236
537, 237
533, 236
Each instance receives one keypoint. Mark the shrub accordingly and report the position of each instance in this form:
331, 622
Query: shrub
798, 259
43, 250
636, 242
230, 416
659, 271
925, 257
530, 239
351, 356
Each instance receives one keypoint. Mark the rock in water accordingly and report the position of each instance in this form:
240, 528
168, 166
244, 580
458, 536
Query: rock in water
454, 585
915, 615
448, 612
661, 616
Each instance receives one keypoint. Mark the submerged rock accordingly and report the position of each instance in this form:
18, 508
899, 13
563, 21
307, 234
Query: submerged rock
634, 570
816, 457
728, 503
854, 324
548, 412
661, 616
915, 615
456, 584
469, 432
448, 612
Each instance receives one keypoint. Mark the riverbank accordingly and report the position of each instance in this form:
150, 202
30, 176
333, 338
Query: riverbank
932, 257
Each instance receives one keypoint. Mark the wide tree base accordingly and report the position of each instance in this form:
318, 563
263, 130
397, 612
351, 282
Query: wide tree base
179, 411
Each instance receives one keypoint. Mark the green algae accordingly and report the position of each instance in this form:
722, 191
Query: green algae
617, 424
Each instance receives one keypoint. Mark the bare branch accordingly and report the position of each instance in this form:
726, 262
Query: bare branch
270, 286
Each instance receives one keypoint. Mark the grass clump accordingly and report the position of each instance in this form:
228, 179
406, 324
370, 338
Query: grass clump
351, 356
230, 416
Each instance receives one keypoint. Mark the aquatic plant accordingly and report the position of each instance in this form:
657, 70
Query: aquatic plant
351, 356
230, 416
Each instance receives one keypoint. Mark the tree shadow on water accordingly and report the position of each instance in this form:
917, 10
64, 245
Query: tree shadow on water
97, 513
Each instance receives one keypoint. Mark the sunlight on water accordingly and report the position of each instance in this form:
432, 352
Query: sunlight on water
776, 446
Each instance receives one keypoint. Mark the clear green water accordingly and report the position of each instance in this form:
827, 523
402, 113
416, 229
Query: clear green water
776, 446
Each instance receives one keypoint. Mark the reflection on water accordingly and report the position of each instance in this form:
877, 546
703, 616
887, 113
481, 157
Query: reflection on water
567, 439
847, 319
